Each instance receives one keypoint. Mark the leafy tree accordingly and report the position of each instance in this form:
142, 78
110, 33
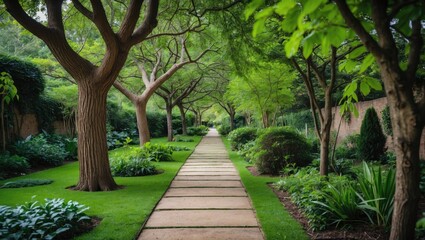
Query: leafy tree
263, 91
371, 141
392, 34
174, 93
162, 64
93, 79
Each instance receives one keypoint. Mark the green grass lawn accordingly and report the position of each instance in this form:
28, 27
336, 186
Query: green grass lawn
276, 222
123, 211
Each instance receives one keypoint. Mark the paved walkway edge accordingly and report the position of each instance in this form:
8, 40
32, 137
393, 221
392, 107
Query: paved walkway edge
205, 200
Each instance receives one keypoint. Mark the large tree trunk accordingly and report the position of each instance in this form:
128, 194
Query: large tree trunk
324, 152
407, 131
183, 119
95, 173
325, 130
232, 120
266, 120
169, 111
142, 122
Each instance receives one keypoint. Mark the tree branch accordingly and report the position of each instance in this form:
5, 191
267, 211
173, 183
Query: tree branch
370, 43
125, 91
130, 20
54, 15
16, 10
415, 50
83, 10
149, 23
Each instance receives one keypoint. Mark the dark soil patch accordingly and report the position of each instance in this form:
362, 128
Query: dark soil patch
356, 232
83, 228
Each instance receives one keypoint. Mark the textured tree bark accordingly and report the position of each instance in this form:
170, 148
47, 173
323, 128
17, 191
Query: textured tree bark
169, 111
142, 122
95, 173
232, 120
183, 118
407, 133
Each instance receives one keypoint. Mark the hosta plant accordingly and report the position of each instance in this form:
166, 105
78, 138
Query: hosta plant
35, 220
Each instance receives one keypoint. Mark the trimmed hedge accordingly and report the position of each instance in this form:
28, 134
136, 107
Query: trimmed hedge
241, 136
277, 147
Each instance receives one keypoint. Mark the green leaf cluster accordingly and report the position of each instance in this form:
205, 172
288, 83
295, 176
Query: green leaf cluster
35, 220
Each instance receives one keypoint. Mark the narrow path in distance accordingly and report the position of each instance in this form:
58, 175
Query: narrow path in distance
206, 200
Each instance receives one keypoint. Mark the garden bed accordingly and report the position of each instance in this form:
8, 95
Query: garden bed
360, 232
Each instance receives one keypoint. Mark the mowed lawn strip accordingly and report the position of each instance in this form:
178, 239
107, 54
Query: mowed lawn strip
275, 221
123, 211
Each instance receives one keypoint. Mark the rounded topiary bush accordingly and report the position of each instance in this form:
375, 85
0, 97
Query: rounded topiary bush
371, 141
278, 147
242, 136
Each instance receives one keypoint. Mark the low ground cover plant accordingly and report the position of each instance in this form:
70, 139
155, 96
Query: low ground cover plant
156, 152
132, 166
26, 183
35, 220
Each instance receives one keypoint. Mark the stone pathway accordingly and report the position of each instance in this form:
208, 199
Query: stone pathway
206, 200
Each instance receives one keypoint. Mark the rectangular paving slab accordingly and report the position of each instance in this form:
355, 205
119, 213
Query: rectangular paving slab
204, 203
188, 184
202, 218
207, 192
206, 178
204, 169
202, 164
206, 173
202, 234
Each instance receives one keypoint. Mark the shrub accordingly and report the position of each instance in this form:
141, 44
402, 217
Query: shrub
224, 128
277, 147
377, 189
12, 165
39, 152
41, 221
343, 167
247, 151
371, 140
386, 121
348, 148
197, 131
241, 136
116, 139
304, 188
157, 124
26, 183
157, 152
324, 201
132, 166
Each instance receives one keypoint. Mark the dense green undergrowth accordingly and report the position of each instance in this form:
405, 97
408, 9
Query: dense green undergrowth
123, 211
275, 221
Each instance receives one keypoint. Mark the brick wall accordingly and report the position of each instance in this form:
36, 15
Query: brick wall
353, 126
